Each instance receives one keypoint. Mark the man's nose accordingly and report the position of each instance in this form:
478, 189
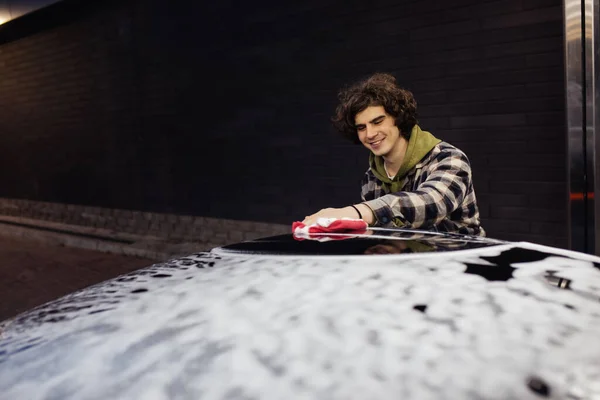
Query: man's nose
371, 131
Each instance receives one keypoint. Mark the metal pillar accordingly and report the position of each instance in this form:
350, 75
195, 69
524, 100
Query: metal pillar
581, 81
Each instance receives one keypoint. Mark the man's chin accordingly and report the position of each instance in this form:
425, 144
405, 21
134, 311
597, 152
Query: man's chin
378, 152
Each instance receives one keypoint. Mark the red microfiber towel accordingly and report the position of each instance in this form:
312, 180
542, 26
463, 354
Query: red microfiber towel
329, 225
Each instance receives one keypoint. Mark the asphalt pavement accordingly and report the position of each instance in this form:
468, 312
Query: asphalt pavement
33, 273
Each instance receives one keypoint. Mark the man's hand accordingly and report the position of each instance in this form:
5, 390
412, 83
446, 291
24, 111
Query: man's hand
346, 212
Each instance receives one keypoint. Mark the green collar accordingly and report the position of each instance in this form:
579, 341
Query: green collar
420, 143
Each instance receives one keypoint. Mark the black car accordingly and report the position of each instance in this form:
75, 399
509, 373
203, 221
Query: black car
395, 314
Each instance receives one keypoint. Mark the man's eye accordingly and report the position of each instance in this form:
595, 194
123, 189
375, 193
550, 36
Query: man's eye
360, 128
378, 122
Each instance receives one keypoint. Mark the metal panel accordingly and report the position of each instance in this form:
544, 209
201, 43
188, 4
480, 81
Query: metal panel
574, 81
590, 126
594, 164
582, 120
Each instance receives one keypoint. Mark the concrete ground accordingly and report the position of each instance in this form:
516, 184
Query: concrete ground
33, 273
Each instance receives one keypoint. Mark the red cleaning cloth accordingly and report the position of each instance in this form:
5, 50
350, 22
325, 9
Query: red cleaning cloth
330, 225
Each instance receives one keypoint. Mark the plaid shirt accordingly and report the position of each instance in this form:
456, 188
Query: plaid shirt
438, 195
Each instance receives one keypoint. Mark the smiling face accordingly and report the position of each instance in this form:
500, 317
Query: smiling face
378, 132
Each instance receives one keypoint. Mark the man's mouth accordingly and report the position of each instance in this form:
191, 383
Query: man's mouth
376, 143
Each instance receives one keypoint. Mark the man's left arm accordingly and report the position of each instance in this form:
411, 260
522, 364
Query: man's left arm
437, 197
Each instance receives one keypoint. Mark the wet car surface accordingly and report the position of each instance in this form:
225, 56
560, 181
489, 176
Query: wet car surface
384, 314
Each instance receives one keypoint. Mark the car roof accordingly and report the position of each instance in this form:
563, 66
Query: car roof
512, 320
368, 242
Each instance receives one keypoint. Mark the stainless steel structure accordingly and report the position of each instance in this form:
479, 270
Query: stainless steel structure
11, 9
581, 80
594, 162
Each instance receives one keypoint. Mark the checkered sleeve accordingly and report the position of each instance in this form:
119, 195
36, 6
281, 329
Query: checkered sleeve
442, 192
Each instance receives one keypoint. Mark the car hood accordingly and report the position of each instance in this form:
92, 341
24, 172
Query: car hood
509, 320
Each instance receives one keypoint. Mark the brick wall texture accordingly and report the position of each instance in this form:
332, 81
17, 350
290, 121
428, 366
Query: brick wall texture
203, 233
222, 110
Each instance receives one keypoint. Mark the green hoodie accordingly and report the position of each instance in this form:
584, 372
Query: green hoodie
420, 143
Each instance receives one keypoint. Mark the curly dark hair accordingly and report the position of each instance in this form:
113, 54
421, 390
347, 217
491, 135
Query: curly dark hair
379, 89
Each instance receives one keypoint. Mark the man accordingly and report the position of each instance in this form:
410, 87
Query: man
414, 180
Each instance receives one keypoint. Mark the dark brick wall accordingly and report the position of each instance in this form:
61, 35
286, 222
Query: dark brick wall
223, 110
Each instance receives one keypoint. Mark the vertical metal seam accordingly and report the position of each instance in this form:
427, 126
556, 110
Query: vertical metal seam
584, 122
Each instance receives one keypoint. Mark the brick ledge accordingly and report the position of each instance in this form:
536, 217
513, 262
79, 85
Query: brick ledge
106, 240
